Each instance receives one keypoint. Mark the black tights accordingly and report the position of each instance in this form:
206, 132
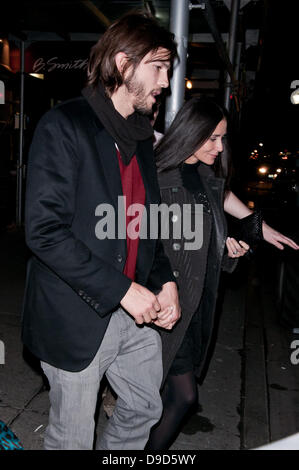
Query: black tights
179, 394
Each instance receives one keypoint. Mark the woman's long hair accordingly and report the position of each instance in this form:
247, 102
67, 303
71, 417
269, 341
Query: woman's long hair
193, 125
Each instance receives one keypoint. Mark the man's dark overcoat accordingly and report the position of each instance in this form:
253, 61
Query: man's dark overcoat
75, 280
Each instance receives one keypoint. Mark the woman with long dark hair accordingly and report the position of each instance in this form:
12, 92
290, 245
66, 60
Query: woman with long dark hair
193, 161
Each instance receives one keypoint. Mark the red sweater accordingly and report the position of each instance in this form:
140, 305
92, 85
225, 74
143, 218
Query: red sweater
134, 192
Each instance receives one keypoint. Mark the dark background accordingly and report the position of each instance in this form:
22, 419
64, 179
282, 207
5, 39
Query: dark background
65, 30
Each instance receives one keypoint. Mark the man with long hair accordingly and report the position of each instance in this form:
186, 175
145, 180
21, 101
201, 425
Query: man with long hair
90, 294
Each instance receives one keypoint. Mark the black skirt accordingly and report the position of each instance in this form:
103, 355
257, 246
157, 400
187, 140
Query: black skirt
188, 355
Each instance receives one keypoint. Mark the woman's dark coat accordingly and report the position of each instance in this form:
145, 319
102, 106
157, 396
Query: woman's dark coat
186, 266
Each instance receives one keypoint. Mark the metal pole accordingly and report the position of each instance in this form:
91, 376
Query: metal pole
235, 6
238, 59
179, 25
210, 18
21, 142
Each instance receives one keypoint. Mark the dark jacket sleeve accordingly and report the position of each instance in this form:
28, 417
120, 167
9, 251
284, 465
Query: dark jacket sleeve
53, 172
161, 271
229, 264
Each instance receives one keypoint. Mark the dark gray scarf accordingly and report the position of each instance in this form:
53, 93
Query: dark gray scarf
125, 132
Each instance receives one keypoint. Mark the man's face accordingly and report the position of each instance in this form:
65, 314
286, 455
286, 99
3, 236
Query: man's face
145, 83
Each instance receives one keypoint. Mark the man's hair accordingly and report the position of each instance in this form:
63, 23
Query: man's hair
136, 34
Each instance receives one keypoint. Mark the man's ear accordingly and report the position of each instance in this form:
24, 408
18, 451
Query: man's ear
121, 60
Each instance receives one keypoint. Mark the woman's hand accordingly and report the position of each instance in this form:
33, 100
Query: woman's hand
170, 307
277, 239
236, 249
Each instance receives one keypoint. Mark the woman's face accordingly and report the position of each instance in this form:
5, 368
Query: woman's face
208, 152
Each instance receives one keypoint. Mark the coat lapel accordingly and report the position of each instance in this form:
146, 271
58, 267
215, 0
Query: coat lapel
214, 188
109, 162
145, 157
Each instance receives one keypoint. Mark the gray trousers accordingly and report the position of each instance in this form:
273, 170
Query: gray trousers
131, 358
